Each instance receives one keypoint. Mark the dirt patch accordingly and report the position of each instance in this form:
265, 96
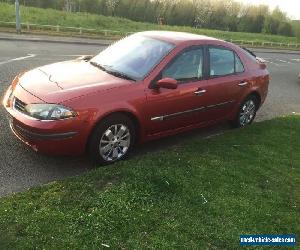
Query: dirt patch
107, 183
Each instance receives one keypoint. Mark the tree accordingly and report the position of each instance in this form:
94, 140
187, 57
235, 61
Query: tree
285, 29
228, 15
273, 20
296, 29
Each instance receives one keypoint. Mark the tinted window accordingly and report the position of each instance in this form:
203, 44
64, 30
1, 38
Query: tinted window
187, 66
238, 65
221, 62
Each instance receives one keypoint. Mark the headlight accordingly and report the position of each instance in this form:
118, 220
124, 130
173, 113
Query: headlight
49, 111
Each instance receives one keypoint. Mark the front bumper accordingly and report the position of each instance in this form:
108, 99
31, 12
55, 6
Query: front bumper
63, 137
39, 136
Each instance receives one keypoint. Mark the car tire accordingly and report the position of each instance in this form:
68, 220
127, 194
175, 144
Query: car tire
112, 139
246, 113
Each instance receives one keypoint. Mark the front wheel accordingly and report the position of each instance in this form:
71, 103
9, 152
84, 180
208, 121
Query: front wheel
112, 139
247, 112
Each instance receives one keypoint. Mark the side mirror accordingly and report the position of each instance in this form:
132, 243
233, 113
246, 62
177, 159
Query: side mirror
167, 83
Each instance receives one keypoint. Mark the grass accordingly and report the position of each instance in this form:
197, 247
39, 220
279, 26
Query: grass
249, 177
99, 22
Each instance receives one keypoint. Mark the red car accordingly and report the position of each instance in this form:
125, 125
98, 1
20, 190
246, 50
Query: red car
143, 87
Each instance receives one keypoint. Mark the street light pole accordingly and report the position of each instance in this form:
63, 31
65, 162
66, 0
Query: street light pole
18, 18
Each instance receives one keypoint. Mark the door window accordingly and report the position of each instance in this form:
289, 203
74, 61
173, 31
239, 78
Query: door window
187, 66
221, 61
239, 67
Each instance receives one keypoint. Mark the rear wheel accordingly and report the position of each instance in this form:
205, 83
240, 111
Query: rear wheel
247, 112
112, 139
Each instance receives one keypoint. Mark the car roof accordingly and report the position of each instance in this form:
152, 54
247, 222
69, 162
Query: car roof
176, 37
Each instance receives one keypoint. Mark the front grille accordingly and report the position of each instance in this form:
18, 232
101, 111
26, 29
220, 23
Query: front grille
19, 132
19, 105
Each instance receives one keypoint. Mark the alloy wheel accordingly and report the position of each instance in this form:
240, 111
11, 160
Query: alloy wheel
247, 112
114, 142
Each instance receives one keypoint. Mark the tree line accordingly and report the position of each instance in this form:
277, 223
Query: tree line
227, 15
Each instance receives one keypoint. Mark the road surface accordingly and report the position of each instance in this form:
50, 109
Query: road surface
21, 168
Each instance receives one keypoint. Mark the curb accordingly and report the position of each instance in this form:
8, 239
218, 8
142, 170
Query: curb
43, 40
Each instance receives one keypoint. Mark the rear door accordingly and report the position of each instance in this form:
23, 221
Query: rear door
226, 81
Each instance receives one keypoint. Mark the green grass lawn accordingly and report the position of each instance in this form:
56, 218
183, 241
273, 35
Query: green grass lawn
54, 17
249, 177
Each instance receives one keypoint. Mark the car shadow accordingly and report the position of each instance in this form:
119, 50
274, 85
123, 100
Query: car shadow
67, 162
176, 140
142, 149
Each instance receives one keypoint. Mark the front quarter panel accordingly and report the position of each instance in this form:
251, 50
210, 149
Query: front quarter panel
96, 106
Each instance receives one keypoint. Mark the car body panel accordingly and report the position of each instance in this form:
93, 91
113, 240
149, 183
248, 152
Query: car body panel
95, 94
61, 81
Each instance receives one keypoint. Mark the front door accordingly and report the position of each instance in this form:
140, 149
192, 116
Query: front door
168, 109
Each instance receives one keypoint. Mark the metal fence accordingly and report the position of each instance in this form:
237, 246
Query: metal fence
265, 44
58, 28
115, 33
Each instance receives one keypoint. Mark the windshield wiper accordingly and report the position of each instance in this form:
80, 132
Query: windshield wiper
99, 66
120, 74
112, 72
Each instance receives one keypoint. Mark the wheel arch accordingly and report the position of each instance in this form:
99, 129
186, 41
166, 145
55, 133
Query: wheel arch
257, 95
131, 115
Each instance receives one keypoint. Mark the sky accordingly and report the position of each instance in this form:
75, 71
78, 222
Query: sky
291, 7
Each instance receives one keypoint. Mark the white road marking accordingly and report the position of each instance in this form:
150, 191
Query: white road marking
18, 59
274, 63
282, 61
52, 55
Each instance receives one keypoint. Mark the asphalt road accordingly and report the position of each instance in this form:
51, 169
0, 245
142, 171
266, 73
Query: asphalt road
21, 168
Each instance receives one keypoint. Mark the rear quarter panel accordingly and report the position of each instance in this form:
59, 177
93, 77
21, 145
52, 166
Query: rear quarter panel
259, 77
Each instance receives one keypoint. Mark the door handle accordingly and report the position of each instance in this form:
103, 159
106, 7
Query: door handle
243, 83
200, 92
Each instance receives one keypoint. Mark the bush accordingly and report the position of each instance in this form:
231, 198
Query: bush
285, 29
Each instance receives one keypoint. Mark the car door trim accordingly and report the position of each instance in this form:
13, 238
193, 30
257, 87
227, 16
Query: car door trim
165, 117
219, 104
170, 116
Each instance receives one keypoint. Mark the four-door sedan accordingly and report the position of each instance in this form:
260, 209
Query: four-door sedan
143, 87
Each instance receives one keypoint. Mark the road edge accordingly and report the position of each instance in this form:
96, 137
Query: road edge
53, 39
93, 41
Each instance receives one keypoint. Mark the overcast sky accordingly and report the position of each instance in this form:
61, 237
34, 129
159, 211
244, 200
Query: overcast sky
291, 7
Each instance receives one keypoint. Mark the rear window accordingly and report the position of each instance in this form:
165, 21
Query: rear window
239, 67
249, 52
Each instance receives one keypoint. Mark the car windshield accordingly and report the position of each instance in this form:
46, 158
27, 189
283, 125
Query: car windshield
132, 57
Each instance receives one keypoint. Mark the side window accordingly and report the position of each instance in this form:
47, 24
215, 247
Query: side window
221, 61
239, 67
187, 66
